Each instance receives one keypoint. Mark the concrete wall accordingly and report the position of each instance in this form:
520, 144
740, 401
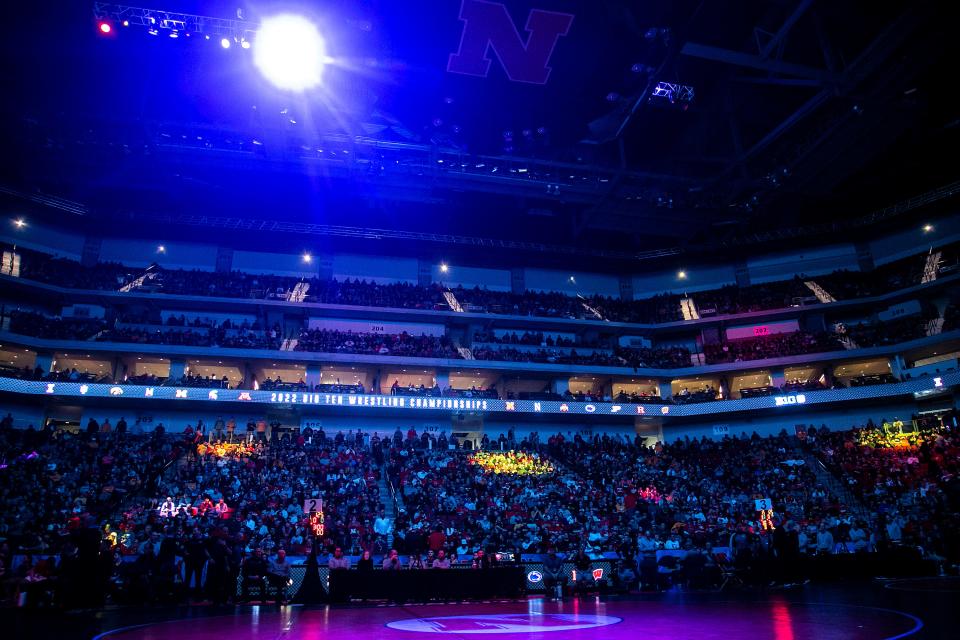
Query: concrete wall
811, 262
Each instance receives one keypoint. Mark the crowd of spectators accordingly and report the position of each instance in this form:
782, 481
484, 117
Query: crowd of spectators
534, 339
403, 344
37, 325
908, 478
776, 345
878, 334
156, 524
657, 309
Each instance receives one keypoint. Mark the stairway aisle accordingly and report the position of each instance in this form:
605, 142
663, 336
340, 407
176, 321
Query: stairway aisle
386, 501
832, 483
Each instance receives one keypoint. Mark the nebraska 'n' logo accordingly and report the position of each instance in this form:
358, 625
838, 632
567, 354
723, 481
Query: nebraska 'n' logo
488, 25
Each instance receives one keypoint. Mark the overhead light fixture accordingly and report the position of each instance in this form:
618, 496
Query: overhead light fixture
290, 52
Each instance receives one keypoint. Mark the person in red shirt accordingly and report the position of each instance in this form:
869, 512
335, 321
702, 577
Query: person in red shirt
436, 540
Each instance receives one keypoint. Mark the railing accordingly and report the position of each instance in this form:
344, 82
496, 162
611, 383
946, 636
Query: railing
934, 327
688, 309
932, 267
299, 292
819, 291
452, 301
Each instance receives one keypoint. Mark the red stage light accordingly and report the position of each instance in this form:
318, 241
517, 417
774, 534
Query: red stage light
105, 27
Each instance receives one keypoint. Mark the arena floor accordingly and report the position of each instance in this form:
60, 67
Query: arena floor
915, 609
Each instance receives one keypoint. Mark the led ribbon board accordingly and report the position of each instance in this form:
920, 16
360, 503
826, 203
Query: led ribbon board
368, 402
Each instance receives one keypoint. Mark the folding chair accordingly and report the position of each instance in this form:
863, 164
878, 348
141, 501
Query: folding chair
729, 574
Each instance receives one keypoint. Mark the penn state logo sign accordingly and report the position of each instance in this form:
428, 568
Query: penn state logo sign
504, 623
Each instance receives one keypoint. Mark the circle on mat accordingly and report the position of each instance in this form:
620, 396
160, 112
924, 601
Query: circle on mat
504, 623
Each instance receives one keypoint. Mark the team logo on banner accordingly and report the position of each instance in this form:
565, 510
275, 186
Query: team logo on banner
50, 387
148, 392
510, 406
245, 396
640, 410
664, 410
116, 391
213, 394
504, 623
181, 393
83, 389
564, 408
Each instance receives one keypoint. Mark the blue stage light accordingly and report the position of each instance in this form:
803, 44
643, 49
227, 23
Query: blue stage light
290, 52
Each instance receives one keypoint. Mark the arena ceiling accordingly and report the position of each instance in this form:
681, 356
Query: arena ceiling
530, 121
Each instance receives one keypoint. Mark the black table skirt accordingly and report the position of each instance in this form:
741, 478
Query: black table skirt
427, 584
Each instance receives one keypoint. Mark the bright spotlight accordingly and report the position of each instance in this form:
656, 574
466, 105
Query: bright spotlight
245, 44
225, 43
682, 275
927, 228
444, 268
161, 249
19, 223
307, 258
105, 27
290, 52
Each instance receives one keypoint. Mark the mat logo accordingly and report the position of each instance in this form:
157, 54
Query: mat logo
503, 623
785, 400
488, 25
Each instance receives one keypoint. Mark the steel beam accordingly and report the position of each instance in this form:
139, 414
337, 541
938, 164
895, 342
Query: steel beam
737, 58
785, 28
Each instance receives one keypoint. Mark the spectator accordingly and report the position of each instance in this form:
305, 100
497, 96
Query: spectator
278, 575
338, 560
391, 562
